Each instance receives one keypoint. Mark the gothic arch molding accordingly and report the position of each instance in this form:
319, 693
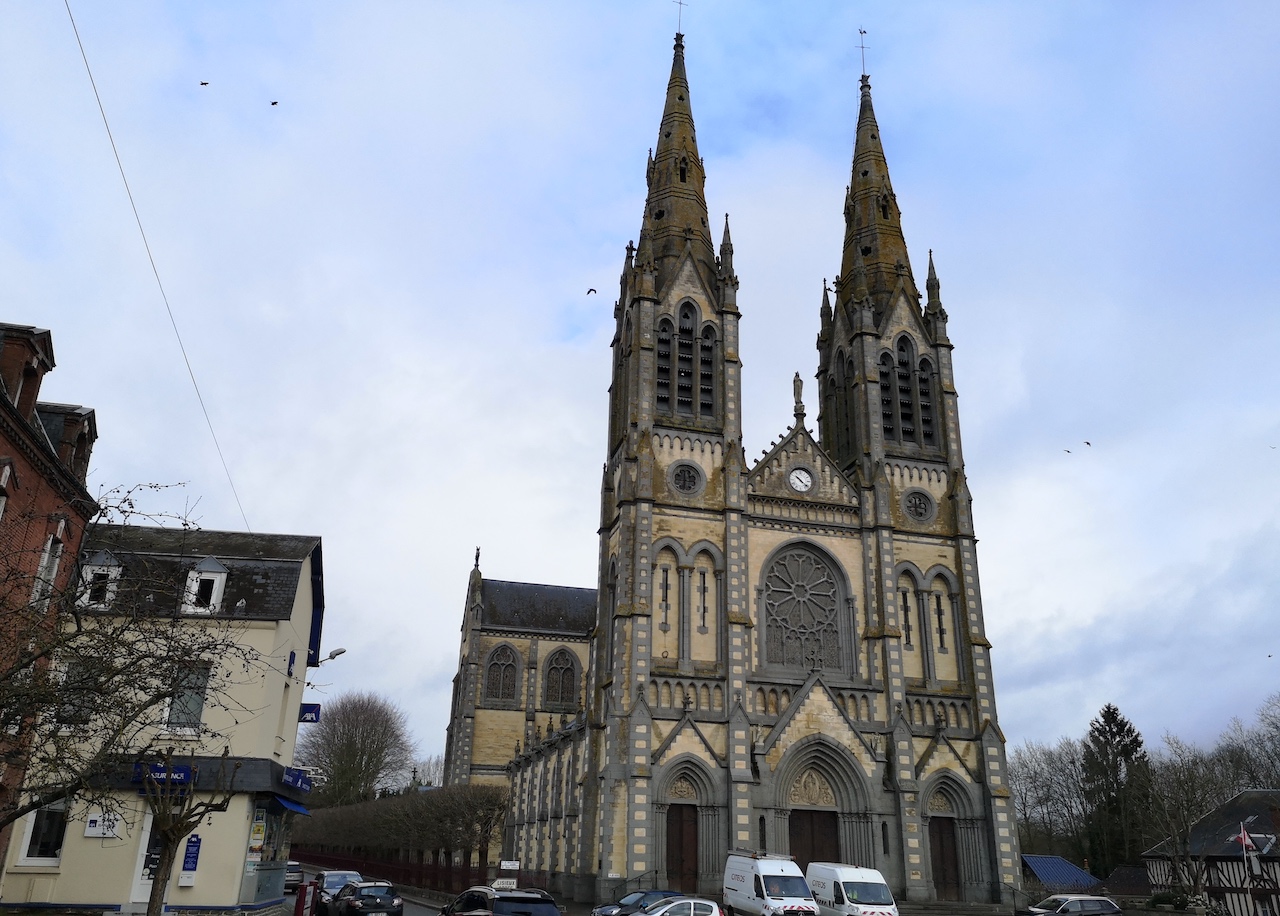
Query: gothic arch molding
938, 571
686, 770
805, 609
705, 546
682, 556
832, 762
906, 567
946, 796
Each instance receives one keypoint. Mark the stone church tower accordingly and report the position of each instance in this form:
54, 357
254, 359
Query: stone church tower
788, 656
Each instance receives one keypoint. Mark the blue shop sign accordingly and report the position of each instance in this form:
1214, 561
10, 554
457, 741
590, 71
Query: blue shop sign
309, 712
191, 856
297, 779
180, 775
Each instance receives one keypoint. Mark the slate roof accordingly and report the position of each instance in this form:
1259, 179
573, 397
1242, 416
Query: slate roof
546, 608
262, 569
1060, 876
1128, 881
1216, 834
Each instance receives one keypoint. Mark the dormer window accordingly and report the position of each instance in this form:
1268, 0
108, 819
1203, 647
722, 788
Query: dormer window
205, 584
99, 577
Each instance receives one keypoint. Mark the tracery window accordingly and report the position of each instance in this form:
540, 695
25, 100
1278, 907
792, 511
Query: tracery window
500, 679
562, 681
801, 598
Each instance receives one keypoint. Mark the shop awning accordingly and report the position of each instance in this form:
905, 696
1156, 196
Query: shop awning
292, 805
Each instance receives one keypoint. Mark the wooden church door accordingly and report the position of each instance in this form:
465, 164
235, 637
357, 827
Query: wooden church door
942, 854
815, 837
682, 848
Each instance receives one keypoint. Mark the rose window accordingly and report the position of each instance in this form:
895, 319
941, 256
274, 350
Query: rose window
801, 600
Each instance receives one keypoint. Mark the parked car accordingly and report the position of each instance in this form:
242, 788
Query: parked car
361, 897
1075, 905
632, 902
292, 876
485, 901
683, 906
330, 882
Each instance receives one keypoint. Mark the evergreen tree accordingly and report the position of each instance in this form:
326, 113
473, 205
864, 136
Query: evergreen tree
1116, 779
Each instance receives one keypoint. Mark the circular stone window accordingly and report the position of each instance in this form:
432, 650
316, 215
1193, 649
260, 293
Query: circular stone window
686, 478
919, 505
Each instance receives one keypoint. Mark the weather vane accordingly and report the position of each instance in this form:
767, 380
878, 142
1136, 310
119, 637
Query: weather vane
680, 15
862, 43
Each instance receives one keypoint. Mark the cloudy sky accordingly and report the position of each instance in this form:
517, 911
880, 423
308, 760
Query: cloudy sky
380, 283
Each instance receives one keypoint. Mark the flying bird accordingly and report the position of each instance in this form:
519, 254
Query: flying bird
1067, 450
1088, 443
204, 82
275, 103
590, 291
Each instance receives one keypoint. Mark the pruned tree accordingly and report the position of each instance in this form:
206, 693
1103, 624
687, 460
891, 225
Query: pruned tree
360, 746
178, 803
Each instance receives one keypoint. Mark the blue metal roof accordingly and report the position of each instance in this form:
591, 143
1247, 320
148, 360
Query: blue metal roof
1060, 876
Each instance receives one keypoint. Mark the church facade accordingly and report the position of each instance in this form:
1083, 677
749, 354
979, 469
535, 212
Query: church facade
788, 655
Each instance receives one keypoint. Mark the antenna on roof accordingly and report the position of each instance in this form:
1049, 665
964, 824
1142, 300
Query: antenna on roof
862, 44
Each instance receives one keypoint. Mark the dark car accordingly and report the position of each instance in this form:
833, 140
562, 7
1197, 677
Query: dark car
362, 897
292, 876
329, 883
485, 901
1075, 905
633, 902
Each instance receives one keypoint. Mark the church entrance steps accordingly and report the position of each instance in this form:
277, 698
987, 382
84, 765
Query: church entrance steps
951, 908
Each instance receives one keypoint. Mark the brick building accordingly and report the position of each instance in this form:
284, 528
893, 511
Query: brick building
44, 506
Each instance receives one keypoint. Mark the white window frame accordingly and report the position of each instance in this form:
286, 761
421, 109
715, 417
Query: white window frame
113, 571
211, 569
187, 731
6, 471
29, 829
47, 572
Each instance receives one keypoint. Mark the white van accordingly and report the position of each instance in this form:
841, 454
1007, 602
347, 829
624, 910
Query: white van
760, 884
846, 890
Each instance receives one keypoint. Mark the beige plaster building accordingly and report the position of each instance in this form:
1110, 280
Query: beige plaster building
787, 655
266, 592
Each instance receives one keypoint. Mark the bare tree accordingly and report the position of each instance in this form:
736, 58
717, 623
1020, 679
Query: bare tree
1186, 784
89, 671
177, 807
360, 745
429, 770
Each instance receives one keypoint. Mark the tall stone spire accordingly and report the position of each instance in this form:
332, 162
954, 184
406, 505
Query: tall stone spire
676, 209
873, 224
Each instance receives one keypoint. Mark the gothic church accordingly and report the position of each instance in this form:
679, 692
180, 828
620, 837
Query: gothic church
786, 656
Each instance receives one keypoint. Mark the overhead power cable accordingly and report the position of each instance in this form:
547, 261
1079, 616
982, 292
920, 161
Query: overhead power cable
154, 270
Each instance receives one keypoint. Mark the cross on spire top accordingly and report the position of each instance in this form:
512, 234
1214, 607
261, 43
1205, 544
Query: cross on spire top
862, 45
680, 15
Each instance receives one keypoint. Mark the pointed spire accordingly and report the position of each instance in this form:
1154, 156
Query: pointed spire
873, 227
932, 285
825, 313
676, 210
726, 249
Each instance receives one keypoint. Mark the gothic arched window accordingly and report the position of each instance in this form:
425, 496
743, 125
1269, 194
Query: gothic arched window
707, 373
500, 677
801, 603
888, 415
906, 400
684, 359
925, 386
561, 691
663, 395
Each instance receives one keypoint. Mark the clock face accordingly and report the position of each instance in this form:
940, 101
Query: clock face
800, 480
